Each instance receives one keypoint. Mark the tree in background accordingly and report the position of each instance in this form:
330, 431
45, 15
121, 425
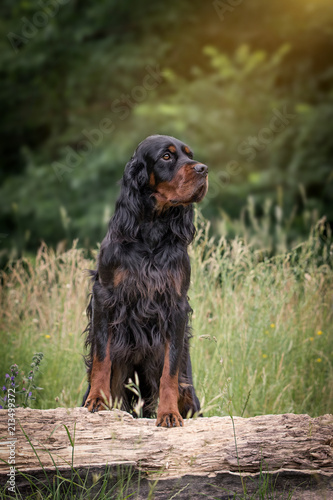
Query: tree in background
247, 84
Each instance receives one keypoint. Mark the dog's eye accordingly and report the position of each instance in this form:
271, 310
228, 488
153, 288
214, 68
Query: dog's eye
166, 156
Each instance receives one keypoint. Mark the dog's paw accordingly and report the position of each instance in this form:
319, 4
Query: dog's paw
172, 419
96, 403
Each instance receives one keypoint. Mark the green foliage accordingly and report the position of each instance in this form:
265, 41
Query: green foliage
253, 99
302, 159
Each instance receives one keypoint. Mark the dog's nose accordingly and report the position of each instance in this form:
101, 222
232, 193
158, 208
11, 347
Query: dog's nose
200, 168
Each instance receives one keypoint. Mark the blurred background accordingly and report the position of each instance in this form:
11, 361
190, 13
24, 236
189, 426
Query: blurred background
247, 84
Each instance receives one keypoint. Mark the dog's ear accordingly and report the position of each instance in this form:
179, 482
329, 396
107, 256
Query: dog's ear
181, 223
129, 207
135, 175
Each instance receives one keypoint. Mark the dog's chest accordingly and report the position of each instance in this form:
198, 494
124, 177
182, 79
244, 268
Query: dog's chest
155, 233
160, 270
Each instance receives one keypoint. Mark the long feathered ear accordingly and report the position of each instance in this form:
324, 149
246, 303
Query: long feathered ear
181, 223
129, 211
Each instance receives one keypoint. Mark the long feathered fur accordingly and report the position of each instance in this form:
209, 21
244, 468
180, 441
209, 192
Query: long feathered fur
145, 254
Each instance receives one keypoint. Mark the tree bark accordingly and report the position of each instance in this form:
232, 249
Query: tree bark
291, 452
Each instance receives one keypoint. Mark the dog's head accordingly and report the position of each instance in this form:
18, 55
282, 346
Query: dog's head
161, 174
175, 178
164, 167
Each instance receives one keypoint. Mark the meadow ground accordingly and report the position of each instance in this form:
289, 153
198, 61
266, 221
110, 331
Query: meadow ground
262, 327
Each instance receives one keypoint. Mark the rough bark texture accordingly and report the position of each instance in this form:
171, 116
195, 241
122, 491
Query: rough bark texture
292, 452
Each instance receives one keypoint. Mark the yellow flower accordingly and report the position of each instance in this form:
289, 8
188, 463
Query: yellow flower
47, 336
272, 325
311, 339
266, 332
319, 332
318, 360
264, 356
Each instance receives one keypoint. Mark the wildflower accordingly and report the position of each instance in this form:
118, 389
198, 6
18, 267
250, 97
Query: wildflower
6, 376
47, 336
23, 389
4, 388
272, 325
12, 378
318, 360
1, 408
311, 339
319, 332
30, 394
264, 356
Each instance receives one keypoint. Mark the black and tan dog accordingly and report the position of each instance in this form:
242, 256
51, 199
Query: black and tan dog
139, 308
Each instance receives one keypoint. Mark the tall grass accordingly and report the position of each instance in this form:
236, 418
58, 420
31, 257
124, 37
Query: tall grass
43, 304
262, 326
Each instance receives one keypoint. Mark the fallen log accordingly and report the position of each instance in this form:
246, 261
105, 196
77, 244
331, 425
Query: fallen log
217, 456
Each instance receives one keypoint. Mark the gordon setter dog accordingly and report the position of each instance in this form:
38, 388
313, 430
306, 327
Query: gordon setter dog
139, 311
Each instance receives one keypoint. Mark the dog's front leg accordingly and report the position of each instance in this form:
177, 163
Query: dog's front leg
168, 412
100, 372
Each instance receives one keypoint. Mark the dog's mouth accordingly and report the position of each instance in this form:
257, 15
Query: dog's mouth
197, 196
201, 192
186, 188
